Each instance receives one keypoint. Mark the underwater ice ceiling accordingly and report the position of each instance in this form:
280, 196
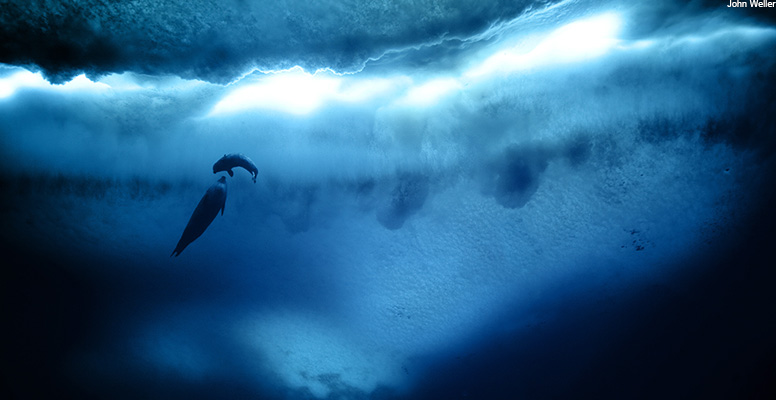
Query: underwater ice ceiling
444, 189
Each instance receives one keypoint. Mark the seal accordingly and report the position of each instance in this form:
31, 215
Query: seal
229, 161
206, 211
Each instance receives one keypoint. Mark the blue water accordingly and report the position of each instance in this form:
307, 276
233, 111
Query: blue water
501, 200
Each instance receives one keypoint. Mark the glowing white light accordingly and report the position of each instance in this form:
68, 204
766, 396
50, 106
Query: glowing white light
577, 41
26, 79
581, 40
293, 91
430, 92
81, 82
637, 45
121, 82
129, 81
298, 92
9, 85
365, 89
742, 33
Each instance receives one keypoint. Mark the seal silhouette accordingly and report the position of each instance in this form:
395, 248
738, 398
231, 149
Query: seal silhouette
229, 161
206, 211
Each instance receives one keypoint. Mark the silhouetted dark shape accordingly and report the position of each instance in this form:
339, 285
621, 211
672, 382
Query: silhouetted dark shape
229, 161
206, 211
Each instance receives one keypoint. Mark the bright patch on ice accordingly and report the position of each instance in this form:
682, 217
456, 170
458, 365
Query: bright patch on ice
310, 352
578, 41
430, 92
298, 92
26, 79
293, 91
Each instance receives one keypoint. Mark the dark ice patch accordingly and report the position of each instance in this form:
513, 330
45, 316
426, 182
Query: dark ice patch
406, 198
85, 186
364, 191
744, 124
514, 176
58, 41
659, 127
578, 150
293, 204
637, 240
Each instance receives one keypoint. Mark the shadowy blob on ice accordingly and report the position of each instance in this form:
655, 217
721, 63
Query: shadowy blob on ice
515, 175
292, 203
407, 198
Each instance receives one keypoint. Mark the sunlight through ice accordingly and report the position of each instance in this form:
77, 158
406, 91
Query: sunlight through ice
293, 91
429, 92
296, 91
26, 79
577, 41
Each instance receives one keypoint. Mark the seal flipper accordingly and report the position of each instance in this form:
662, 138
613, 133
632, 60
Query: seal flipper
229, 171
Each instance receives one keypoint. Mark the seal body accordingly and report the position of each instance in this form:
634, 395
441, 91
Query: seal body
206, 211
229, 161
